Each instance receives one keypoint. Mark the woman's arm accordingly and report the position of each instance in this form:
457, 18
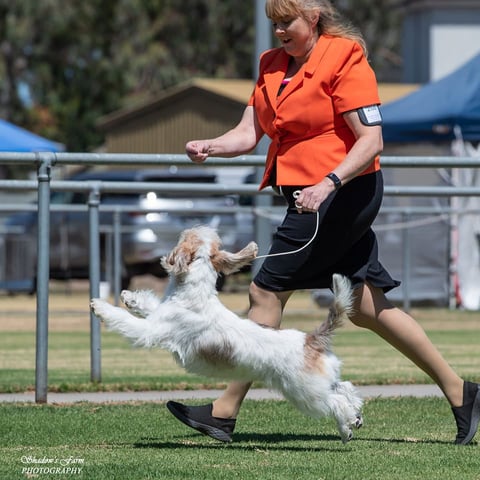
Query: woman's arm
367, 146
239, 140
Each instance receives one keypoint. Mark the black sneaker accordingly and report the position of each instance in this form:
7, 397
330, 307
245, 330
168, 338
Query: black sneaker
468, 415
200, 418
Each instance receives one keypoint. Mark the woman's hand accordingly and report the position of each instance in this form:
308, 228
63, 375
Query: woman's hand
198, 150
239, 140
311, 198
368, 145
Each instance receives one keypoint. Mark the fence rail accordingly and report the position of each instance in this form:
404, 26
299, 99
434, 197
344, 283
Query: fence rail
65, 158
45, 161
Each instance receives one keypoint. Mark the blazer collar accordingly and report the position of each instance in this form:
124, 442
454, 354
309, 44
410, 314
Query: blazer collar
275, 72
317, 54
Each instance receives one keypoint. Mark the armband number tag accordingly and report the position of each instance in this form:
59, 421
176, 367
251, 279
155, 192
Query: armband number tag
370, 115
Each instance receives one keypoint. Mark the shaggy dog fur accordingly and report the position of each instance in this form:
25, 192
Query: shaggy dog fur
208, 339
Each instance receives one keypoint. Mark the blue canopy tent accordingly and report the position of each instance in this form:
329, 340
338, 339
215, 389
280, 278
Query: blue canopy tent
432, 112
16, 139
431, 115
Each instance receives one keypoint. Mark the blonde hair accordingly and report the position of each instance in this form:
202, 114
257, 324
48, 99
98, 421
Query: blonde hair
330, 22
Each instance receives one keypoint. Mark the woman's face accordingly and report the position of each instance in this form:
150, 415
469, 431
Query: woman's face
297, 35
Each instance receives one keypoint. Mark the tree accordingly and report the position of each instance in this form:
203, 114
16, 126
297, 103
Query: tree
56, 60
380, 24
65, 63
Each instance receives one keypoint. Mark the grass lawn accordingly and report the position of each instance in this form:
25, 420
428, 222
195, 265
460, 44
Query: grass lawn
366, 358
404, 439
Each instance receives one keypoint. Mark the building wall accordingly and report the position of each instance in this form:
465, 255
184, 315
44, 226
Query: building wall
438, 37
167, 129
164, 126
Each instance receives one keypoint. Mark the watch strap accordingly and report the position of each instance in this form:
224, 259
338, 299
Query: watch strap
336, 181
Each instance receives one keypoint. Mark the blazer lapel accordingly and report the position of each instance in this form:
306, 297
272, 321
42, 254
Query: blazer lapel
308, 69
317, 54
274, 75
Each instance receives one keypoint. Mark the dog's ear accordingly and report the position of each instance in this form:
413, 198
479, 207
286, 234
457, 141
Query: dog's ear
226, 262
178, 260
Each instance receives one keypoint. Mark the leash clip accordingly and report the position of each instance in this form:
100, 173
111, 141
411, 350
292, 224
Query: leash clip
295, 195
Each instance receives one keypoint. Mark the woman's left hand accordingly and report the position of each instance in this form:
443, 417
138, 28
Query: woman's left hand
311, 198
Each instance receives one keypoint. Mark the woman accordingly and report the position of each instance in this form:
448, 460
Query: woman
316, 98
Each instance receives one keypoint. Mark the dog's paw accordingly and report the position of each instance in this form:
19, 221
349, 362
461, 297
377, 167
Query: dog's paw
128, 298
358, 421
346, 434
99, 307
136, 302
346, 431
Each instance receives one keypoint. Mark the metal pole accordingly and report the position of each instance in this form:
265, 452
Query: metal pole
117, 255
84, 158
94, 270
263, 41
43, 276
406, 264
107, 275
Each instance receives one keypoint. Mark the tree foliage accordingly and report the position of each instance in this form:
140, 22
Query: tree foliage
65, 63
380, 23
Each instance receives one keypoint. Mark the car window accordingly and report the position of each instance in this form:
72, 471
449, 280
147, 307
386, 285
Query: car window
182, 179
120, 198
61, 198
79, 198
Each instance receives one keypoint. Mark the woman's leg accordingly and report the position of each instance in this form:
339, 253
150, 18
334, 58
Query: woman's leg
375, 312
266, 308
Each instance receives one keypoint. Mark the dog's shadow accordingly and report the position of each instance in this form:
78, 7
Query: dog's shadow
272, 441
247, 441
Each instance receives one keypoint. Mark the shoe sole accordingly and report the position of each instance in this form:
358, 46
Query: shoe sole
475, 420
208, 430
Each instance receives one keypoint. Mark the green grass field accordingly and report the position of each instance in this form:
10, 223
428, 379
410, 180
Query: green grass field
403, 439
366, 358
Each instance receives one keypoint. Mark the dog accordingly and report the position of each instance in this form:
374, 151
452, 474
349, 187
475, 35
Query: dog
208, 339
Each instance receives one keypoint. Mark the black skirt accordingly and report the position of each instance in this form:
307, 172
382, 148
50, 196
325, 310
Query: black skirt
344, 242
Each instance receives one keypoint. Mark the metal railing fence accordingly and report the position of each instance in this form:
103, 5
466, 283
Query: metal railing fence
45, 161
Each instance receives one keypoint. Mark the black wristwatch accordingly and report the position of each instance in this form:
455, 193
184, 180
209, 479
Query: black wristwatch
336, 181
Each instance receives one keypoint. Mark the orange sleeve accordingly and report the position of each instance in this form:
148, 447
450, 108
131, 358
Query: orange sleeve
354, 84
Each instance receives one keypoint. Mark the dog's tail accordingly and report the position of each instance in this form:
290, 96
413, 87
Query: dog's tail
341, 307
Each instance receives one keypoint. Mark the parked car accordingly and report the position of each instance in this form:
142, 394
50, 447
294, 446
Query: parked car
146, 236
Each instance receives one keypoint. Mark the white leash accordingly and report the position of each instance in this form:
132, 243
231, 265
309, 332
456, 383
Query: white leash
296, 193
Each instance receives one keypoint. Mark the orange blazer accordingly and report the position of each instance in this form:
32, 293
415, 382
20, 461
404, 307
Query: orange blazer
305, 123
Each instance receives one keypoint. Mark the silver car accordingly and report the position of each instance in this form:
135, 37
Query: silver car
149, 230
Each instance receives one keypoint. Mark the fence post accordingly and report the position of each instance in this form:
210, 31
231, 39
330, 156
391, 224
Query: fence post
406, 256
117, 254
43, 275
263, 227
94, 271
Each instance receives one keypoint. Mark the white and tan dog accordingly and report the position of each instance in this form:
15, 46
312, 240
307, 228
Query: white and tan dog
208, 339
